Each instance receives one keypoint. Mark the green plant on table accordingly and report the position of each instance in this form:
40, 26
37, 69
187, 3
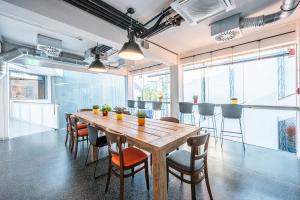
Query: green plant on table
96, 107
106, 108
141, 114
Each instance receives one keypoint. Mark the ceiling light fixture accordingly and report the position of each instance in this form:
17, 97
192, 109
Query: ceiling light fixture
97, 65
131, 50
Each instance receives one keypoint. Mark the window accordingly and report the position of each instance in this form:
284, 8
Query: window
267, 78
24, 86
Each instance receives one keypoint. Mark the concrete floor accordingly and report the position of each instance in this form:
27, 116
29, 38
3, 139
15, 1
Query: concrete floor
39, 167
19, 128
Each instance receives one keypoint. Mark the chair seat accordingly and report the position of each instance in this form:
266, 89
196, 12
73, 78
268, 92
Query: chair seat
131, 155
81, 125
82, 132
182, 159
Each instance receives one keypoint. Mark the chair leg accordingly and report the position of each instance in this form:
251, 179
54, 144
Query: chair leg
221, 134
147, 174
108, 175
207, 181
167, 176
242, 133
122, 186
67, 136
87, 156
215, 129
95, 169
132, 171
76, 147
71, 143
193, 187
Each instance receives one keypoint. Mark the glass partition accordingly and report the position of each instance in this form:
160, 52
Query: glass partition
267, 78
76, 90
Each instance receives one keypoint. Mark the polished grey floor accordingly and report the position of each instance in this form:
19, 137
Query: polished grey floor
40, 167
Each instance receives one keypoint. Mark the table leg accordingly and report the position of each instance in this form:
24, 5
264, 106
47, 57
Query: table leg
159, 176
94, 153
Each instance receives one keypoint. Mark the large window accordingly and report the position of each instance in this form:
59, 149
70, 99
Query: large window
267, 78
24, 86
76, 90
153, 86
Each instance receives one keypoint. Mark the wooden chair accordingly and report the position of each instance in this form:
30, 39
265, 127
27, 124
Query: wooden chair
121, 160
191, 164
95, 141
170, 119
79, 135
85, 109
69, 135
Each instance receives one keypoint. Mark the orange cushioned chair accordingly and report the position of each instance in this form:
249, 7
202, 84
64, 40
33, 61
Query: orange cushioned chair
79, 134
124, 159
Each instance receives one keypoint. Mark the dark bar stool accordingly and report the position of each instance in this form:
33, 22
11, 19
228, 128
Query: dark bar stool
97, 142
186, 108
131, 106
191, 164
207, 110
157, 108
141, 105
122, 160
232, 111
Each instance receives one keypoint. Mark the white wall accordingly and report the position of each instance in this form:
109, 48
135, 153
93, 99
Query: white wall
176, 88
4, 107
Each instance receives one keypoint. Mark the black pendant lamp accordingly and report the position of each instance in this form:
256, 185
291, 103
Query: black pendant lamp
97, 65
131, 50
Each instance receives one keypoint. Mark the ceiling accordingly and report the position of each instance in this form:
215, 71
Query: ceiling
180, 39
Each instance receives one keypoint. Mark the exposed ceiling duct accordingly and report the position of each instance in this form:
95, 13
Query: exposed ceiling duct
231, 27
49, 46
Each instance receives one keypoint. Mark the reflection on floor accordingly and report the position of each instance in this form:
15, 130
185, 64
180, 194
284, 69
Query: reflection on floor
19, 128
39, 166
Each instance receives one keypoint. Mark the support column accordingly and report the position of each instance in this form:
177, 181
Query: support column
298, 86
4, 106
176, 88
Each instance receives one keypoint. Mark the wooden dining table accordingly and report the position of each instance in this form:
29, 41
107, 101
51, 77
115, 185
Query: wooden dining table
156, 137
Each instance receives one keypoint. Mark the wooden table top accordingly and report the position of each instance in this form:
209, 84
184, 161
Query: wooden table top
156, 135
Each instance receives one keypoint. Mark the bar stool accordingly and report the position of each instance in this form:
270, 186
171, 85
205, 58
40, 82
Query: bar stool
131, 106
157, 108
97, 142
186, 108
208, 110
232, 111
141, 105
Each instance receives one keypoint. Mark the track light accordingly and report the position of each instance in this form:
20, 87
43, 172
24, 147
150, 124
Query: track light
97, 65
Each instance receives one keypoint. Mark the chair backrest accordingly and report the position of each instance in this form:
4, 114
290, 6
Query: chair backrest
195, 142
232, 111
115, 143
130, 103
68, 121
186, 107
74, 120
141, 104
85, 109
156, 105
206, 109
170, 119
93, 135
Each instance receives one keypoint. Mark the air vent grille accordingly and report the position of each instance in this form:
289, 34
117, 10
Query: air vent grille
195, 11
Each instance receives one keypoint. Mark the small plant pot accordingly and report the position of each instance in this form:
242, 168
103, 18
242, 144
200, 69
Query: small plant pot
195, 101
141, 121
96, 111
105, 113
119, 116
234, 101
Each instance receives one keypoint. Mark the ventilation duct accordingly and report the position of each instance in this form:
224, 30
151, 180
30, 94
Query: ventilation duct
49, 46
2, 70
195, 11
230, 28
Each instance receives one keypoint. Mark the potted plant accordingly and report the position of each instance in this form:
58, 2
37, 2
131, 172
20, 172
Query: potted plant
195, 98
141, 118
96, 109
105, 109
119, 111
234, 101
